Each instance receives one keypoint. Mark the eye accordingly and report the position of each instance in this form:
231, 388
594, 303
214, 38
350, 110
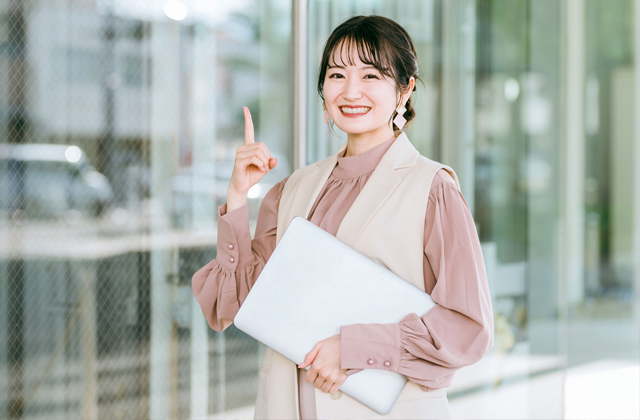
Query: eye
371, 74
335, 74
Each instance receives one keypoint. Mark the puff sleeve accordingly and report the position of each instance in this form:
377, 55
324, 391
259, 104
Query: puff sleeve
458, 331
222, 285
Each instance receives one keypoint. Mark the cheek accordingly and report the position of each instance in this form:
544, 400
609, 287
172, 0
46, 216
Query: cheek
382, 96
330, 92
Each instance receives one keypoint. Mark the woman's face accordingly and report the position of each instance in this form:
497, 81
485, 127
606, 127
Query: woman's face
358, 98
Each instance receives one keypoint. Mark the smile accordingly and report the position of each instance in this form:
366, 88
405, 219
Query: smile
355, 111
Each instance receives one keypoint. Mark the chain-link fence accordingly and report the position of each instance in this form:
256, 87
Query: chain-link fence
115, 152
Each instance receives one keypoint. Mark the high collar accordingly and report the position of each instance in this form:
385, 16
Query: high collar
384, 179
354, 166
400, 154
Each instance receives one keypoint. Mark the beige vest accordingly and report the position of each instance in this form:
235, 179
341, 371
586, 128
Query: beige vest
386, 223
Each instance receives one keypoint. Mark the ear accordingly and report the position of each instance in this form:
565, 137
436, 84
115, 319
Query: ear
407, 94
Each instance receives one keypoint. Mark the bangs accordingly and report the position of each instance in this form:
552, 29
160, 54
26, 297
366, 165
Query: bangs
370, 51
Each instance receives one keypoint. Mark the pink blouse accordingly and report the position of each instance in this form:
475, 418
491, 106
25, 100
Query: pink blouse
426, 348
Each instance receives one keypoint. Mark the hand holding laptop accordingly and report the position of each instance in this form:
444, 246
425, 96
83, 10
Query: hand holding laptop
324, 361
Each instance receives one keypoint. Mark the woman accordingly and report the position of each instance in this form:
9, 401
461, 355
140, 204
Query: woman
410, 216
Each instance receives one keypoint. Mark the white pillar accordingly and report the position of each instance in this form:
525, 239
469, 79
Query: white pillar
199, 390
573, 156
86, 274
202, 129
300, 84
636, 161
160, 346
221, 371
164, 129
458, 92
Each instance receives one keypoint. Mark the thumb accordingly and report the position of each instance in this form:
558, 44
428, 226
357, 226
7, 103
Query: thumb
309, 358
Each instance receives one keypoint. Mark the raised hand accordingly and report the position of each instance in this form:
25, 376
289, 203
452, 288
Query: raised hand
252, 162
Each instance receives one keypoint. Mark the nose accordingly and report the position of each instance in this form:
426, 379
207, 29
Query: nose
352, 89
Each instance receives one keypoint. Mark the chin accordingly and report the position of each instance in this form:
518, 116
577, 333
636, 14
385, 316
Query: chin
355, 128
354, 131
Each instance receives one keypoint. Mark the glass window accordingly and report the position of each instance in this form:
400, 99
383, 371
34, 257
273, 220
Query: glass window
118, 131
119, 124
532, 104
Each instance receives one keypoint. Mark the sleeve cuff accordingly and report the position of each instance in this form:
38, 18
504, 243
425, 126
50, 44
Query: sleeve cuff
361, 342
234, 237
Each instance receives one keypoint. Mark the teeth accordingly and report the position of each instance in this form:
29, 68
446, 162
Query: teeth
355, 110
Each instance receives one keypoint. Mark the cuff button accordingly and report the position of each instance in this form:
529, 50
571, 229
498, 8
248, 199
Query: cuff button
387, 363
370, 361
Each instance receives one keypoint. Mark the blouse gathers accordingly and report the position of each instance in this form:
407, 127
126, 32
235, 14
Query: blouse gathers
426, 348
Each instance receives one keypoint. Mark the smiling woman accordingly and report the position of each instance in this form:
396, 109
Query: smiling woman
409, 216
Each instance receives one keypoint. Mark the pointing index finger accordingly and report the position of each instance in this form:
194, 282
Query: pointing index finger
248, 126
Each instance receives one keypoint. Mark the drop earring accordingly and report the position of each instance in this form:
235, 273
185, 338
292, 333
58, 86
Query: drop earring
325, 116
399, 120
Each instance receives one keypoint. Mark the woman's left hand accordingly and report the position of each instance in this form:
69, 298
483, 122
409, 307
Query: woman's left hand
325, 371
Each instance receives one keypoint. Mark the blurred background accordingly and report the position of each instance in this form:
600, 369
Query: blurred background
119, 121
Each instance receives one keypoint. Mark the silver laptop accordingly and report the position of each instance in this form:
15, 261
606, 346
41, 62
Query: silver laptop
312, 284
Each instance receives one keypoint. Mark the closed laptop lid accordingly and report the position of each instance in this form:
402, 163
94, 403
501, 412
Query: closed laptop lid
312, 284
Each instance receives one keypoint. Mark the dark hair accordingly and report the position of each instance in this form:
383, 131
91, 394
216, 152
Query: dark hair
381, 43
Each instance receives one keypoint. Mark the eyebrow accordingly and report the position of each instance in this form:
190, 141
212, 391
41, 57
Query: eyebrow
342, 67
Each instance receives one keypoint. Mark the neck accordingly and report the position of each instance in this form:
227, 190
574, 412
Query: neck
363, 142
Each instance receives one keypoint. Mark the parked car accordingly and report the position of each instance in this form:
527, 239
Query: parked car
48, 180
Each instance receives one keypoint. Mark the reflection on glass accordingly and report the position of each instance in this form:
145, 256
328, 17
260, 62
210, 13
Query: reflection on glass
119, 124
